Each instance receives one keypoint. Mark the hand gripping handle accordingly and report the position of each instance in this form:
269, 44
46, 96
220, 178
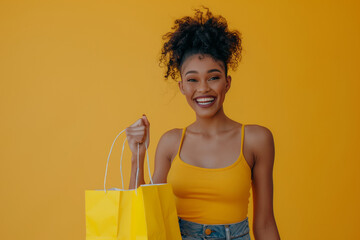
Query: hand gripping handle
122, 152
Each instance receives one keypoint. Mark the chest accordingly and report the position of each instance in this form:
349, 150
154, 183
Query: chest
211, 152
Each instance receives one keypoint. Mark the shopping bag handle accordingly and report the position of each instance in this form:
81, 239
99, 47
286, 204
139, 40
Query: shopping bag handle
122, 152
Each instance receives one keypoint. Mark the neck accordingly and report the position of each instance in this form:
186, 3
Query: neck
213, 124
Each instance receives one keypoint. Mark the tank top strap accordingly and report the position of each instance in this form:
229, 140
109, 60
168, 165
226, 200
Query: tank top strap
182, 139
242, 137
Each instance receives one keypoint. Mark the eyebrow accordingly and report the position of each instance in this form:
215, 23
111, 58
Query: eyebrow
210, 71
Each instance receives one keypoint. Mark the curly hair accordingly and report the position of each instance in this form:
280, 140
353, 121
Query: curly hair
207, 34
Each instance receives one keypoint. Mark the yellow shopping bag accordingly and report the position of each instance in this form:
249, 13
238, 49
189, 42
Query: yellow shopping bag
145, 213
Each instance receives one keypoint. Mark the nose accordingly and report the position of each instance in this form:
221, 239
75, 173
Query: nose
203, 86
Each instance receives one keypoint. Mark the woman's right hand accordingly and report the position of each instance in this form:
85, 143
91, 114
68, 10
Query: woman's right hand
139, 132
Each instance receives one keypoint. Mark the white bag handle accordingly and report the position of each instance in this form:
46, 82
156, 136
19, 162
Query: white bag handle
122, 152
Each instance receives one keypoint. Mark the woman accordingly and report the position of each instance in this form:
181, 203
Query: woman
213, 162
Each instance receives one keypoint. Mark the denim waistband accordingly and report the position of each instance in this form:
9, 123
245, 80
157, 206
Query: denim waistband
214, 231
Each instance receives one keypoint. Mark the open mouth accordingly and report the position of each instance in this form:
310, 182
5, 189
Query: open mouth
205, 101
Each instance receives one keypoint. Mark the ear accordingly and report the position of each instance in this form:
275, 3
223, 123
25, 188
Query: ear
228, 83
181, 87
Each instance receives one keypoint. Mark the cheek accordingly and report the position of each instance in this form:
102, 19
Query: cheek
187, 89
220, 89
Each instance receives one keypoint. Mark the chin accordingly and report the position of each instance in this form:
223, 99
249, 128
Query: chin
208, 114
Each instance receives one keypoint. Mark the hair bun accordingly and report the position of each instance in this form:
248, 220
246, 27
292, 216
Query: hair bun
203, 33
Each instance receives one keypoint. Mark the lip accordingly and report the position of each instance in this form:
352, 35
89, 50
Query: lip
207, 105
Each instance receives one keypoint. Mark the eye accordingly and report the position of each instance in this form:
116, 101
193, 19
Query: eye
214, 78
191, 80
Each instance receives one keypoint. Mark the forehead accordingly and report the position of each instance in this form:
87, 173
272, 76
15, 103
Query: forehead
201, 62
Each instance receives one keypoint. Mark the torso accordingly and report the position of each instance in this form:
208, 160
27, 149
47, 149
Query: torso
210, 177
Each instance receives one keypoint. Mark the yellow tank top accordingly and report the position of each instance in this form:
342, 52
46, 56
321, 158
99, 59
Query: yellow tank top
211, 195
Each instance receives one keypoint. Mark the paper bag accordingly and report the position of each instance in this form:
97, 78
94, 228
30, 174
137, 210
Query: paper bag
145, 213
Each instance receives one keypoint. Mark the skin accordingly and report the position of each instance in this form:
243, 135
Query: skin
208, 133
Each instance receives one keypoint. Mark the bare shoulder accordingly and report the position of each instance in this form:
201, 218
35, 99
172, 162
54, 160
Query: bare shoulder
259, 139
258, 132
166, 150
172, 134
169, 142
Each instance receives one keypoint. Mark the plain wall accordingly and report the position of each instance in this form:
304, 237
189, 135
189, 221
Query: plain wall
73, 74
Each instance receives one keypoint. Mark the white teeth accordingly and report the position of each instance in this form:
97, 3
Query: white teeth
206, 99
206, 103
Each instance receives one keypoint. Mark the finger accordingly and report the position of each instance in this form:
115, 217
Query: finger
139, 128
131, 131
139, 122
136, 139
137, 133
145, 120
147, 124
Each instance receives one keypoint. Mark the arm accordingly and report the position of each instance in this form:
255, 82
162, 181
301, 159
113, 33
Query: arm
264, 225
165, 151
138, 133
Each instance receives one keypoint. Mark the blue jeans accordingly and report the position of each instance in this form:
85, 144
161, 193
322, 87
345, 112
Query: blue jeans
196, 231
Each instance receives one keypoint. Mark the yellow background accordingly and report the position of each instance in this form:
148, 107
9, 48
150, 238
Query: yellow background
75, 73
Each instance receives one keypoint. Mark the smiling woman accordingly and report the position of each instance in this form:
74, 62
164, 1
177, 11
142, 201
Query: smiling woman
204, 87
212, 163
